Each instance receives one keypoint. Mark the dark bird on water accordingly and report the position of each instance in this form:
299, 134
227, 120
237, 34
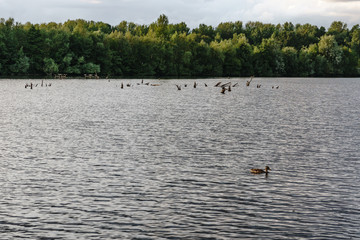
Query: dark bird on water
259, 171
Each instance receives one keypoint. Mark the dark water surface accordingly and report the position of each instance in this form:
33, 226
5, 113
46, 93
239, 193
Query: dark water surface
85, 159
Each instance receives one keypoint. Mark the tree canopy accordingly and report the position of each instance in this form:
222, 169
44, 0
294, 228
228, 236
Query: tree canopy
234, 49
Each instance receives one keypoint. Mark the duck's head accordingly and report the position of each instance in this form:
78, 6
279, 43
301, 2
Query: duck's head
267, 168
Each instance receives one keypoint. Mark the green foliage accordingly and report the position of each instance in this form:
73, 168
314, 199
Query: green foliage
228, 29
257, 31
355, 41
206, 33
269, 58
21, 64
333, 53
160, 27
291, 61
165, 49
91, 68
340, 31
306, 34
34, 49
50, 66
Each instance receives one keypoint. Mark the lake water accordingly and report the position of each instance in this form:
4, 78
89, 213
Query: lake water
85, 159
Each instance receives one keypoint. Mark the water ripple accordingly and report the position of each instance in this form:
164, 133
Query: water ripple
88, 160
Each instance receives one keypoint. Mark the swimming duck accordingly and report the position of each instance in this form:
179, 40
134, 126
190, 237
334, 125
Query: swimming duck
258, 171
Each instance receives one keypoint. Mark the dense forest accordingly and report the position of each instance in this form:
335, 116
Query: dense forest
161, 49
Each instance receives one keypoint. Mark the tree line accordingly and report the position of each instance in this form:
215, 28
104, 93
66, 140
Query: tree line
233, 49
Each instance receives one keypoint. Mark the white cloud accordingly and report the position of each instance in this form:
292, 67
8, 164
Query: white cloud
342, 0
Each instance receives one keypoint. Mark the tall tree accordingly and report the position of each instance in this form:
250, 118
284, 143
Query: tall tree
329, 48
160, 27
226, 30
35, 50
205, 32
340, 31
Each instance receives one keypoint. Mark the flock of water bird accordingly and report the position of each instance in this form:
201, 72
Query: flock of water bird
32, 85
223, 86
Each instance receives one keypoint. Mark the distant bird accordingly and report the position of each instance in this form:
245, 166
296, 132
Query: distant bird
216, 85
248, 82
225, 85
259, 171
205, 85
178, 87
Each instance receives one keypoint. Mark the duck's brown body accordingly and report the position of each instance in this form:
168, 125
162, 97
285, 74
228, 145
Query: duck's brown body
258, 170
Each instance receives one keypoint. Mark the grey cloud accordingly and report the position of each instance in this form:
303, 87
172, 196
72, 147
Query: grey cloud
192, 12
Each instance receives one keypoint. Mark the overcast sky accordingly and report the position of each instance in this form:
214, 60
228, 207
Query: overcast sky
192, 12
